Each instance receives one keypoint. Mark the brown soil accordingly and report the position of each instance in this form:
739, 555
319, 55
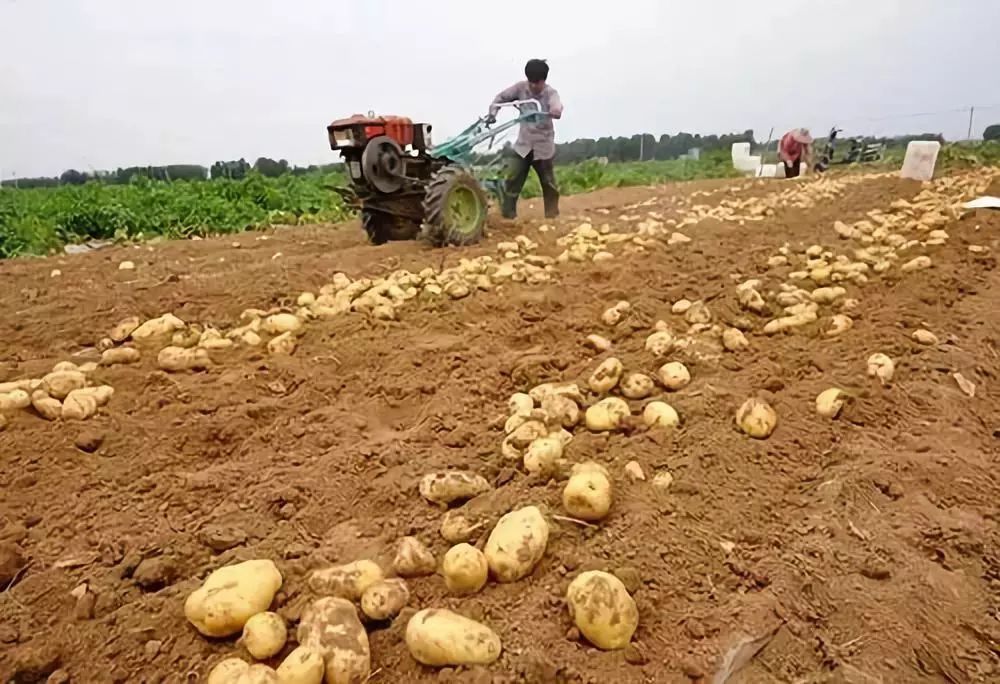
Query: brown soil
868, 546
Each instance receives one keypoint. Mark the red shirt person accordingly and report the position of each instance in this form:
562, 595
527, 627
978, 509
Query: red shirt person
794, 149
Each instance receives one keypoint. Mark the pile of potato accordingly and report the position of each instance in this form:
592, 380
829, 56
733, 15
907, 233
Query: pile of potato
66, 393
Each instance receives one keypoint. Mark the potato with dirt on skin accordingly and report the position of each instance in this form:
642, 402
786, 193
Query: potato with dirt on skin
660, 414
602, 610
734, 340
176, 359
79, 406
164, 326
280, 323
516, 544
520, 404
660, 343
15, 400
347, 581
383, 600
413, 559
562, 389
756, 418
606, 376
674, 375
264, 634
282, 345
441, 638
120, 355
637, 386
301, 666
607, 415
839, 324
330, 627
238, 671
587, 494
453, 485
543, 455
561, 410
59, 384
230, 595
882, 367
465, 569
124, 328
830, 402
47, 407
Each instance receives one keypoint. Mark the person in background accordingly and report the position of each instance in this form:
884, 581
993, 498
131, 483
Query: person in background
794, 150
536, 141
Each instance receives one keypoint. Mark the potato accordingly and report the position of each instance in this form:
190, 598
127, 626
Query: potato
751, 300
440, 638
674, 375
539, 417
598, 343
602, 609
175, 359
561, 410
185, 339
916, 264
302, 666
756, 418
606, 376
734, 340
925, 337
882, 367
231, 595
830, 402
331, 628
413, 559
637, 386
264, 635
459, 526
563, 389
79, 406
839, 324
64, 366
681, 306
28, 385
660, 343
280, 323
47, 407
112, 357
542, 455
383, 600
698, 313
102, 394
453, 485
789, 322
520, 404
124, 329
228, 671
528, 432
164, 326
516, 544
587, 494
60, 383
660, 414
348, 581
14, 400
282, 345
827, 295
606, 415
465, 569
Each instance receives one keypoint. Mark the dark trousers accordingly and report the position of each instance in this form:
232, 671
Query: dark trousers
520, 166
792, 169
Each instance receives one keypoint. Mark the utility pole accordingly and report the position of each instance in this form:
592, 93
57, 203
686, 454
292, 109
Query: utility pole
642, 143
972, 112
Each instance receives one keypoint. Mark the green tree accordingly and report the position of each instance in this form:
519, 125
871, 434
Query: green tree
992, 132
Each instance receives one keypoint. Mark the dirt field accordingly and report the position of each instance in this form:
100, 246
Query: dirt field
863, 549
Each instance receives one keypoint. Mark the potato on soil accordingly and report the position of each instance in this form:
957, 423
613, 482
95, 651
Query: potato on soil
280, 323
830, 402
15, 400
660, 343
698, 313
119, 355
413, 559
756, 418
124, 328
674, 375
606, 376
587, 494
520, 404
543, 455
680, 306
176, 359
79, 406
561, 410
598, 343
440, 638
465, 569
348, 581
637, 386
925, 337
302, 666
516, 544
606, 415
60, 383
459, 526
660, 414
164, 326
526, 433
185, 339
47, 407
453, 485
563, 389
882, 367
264, 635
602, 609
331, 628
228, 671
734, 340
282, 345
839, 324
383, 600
231, 595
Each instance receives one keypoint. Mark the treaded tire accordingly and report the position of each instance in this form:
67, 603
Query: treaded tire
442, 226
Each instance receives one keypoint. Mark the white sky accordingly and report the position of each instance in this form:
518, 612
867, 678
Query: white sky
108, 83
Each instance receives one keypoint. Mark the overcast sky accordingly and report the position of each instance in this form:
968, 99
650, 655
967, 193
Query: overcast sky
108, 83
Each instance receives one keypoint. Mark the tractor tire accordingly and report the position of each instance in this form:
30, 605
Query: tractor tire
382, 228
455, 208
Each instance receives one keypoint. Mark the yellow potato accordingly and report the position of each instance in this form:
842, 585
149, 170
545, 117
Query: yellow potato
660, 414
228, 671
606, 376
302, 666
123, 329
882, 367
561, 410
637, 386
606, 415
331, 628
660, 343
751, 300
102, 394
587, 494
734, 340
465, 569
65, 366
185, 339
517, 543
563, 389
79, 406
681, 306
602, 610
756, 418
282, 345
264, 635
175, 359
231, 595
47, 407
789, 322
827, 295
674, 375
14, 400
698, 313
28, 385
348, 581
112, 357
413, 559
542, 455
598, 343
839, 324
440, 638
830, 402
165, 325
60, 383
916, 264
925, 337
383, 600
453, 485
280, 323
520, 404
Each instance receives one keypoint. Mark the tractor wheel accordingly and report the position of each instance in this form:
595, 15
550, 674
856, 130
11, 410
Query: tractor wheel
454, 208
382, 227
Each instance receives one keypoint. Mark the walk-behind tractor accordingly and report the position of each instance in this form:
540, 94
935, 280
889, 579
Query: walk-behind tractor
405, 187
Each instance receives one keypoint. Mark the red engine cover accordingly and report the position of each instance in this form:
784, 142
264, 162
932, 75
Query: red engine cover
399, 128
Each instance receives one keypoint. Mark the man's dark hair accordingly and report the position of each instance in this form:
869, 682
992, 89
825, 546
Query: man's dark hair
536, 70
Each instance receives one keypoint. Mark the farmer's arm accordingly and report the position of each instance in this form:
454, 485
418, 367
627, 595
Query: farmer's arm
506, 95
555, 106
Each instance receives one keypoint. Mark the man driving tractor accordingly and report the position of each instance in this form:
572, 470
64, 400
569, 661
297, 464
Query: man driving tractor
535, 146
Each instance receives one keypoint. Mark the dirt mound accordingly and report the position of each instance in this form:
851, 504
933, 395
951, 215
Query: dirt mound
857, 550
